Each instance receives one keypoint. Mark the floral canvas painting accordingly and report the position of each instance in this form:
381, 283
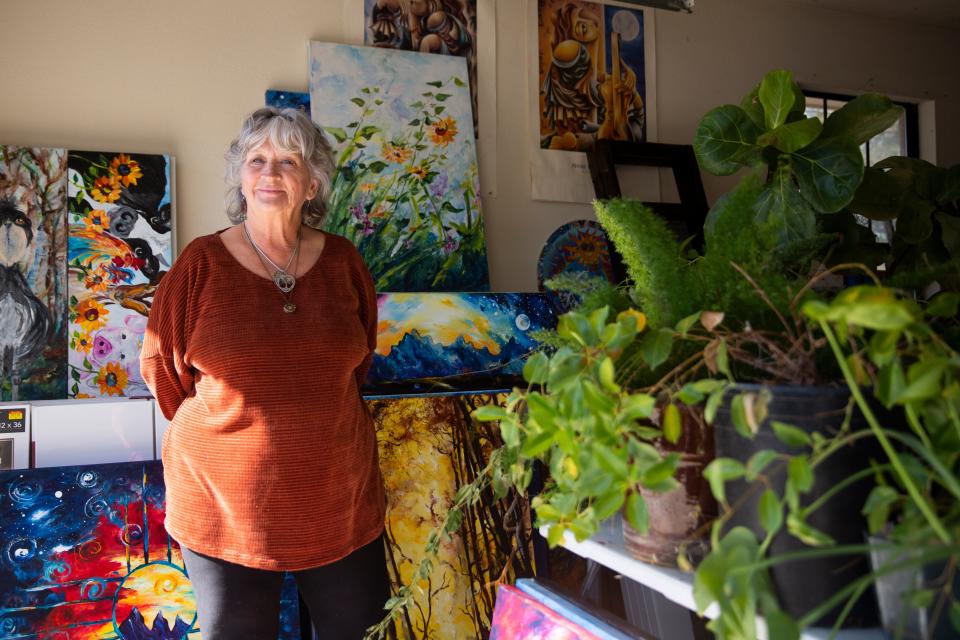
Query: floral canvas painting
120, 246
447, 27
456, 340
429, 448
85, 556
406, 188
33, 254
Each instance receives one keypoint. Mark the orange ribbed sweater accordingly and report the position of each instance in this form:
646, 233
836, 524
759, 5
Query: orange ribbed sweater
270, 460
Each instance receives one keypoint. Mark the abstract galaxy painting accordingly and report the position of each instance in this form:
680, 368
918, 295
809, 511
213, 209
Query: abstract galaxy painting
431, 26
592, 82
429, 448
85, 556
455, 340
33, 253
120, 246
288, 100
406, 189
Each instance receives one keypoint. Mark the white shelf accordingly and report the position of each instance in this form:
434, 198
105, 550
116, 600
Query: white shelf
607, 548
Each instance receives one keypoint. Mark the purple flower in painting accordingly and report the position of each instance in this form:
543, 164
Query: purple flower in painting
451, 244
439, 185
356, 210
101, 347
368, 227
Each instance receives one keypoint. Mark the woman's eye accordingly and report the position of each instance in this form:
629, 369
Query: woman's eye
256, 161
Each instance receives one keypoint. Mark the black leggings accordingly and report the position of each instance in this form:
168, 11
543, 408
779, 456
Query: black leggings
236, 602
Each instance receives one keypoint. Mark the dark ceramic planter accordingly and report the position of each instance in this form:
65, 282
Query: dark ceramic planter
679, 519
803, 585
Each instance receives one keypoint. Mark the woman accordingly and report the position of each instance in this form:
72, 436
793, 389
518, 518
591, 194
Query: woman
258, 341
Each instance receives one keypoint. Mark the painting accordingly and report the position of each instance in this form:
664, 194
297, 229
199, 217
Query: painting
574, 248
601, 623
465, 341
405, 191
519, 616
120, 246
430, 447
85, 556
432, 26
592, 82
288, 100
33, 253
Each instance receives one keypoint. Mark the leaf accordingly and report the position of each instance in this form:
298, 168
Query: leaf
713, 405
489, 412
655, 347
879, 196
890, 383
725, 140
828, 172
758, 462
777, 97
358, 101
752, 107
919, 598
536, 368
799, 529
877, 507
711, 319
639, 405
738, 415
684, 325
672, 426
719, 472
782, 209
608, 504
770, 511
607, 375
862, 118
923, 380
790, 435
613, 461
800, 473
442, 96
555, 534
436, 83
944, 305
949, 231
955, 615
781, 625
339, 134
536, 444
660, 472
636, 514
792, 136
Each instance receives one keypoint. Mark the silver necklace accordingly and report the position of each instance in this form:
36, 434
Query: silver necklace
284, 280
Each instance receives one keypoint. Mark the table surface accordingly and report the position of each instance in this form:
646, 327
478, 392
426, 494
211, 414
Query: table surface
607, 548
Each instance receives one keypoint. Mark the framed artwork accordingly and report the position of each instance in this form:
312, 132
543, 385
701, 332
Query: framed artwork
430, 447
405, 191
33, 254
120, 246
455, 340
288, 100
518, 616
578, 247
85, 556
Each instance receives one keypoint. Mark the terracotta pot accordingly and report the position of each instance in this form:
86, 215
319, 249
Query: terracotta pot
679, 519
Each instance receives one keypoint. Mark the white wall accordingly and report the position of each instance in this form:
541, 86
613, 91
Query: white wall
177, 76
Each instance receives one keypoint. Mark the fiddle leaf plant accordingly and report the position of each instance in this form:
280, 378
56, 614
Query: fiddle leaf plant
811, 167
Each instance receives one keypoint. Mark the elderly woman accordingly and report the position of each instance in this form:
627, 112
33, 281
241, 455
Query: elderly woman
258, 341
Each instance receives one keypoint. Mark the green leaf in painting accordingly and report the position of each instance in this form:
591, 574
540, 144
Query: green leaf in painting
828, 172
725, 140
339, 134
442, 96
792, 136
436, 83
862, 118
777, 97
360, 102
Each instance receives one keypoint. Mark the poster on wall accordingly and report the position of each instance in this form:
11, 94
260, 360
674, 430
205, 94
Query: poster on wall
120, 246
86, 557
405, 190
430, 447
33, 253
593, 80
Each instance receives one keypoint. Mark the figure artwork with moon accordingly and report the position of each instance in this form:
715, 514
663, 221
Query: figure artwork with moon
33, 245
120, 246
592, 74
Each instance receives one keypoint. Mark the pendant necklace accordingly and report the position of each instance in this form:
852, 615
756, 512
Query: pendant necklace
284, 279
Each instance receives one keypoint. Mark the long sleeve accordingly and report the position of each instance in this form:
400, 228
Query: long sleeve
368, 314
162, 360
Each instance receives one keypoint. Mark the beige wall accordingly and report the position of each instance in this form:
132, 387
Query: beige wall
176, 76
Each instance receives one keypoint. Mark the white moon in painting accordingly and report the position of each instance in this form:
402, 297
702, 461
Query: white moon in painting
626, 24
523, 322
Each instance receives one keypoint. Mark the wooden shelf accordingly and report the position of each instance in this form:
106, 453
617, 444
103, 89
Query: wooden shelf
607, 548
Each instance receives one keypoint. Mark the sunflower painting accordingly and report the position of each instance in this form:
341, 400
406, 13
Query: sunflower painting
120, 246
406, 187
33, 248
429, 448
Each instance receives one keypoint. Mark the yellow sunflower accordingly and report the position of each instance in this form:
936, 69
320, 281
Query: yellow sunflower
82, 395
417, 171
442, 132
91, 315
125, 170
112, 379
105, 189
97, 221
396, 153
97, 280
81, 342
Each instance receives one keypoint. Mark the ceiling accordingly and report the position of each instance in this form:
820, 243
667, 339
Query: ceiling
942, 13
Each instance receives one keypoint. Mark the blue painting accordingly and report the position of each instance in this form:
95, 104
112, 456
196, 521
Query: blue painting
288, 100
85, 556
456, 340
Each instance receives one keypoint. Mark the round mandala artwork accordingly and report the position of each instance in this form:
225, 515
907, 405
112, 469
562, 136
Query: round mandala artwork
576, 247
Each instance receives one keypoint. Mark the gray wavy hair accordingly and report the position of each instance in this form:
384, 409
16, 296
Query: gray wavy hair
290, 130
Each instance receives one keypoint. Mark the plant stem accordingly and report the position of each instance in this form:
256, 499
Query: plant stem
902, 473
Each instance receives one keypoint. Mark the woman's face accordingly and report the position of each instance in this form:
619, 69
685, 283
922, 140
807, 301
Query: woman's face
275, 180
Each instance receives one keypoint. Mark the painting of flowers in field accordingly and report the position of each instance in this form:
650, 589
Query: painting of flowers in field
406, 188
33, 247
120, 246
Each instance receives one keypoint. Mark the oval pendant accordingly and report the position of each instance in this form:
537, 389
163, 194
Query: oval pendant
289, 307
284, 281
